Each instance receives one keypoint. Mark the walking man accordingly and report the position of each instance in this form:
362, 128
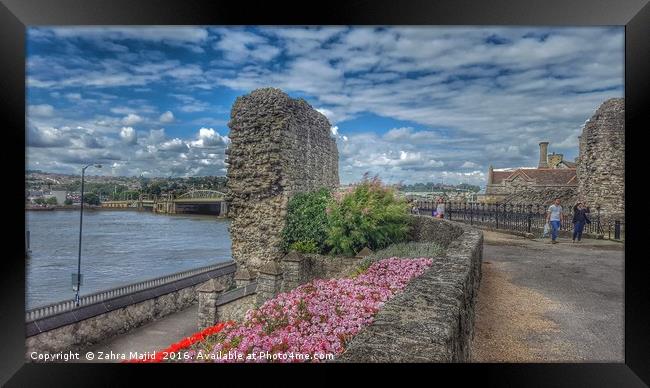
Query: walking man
580, 218
553, 215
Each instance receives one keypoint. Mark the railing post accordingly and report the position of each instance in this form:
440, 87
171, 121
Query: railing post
496, 214
530, 216
471, 214
243, 277
293, 271
208, 295
617, 230
269, 282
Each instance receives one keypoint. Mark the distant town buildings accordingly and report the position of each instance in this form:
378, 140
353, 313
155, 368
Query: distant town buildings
553, 177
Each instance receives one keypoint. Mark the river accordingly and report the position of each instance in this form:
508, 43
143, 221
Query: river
118, 248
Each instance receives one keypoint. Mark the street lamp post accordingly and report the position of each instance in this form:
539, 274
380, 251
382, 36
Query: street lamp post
81, 218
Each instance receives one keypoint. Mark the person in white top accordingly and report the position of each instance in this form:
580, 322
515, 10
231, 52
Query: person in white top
553, 217
440, 208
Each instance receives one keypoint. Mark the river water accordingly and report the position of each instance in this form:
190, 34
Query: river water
118, 248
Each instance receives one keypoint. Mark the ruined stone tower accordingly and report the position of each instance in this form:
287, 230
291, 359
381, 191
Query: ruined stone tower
279, 147
601, 161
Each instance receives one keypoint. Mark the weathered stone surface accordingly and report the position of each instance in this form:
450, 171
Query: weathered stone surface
601, 164
432, 320
237, 309
364, 252
429, 229
243, 277
300, 268
208, 294
269, 282
211, 286
279, 147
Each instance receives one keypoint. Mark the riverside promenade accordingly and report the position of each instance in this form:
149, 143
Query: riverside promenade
550, 303
537, 303
151, 337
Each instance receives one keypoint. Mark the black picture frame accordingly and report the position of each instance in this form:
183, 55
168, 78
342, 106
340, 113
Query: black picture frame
15, 15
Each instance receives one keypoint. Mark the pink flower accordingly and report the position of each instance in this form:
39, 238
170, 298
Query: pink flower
320, 316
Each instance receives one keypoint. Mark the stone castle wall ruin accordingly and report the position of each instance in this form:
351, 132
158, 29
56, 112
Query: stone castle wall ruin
601, 163
279, 147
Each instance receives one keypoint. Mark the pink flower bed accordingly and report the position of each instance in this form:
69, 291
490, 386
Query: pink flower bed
317, 318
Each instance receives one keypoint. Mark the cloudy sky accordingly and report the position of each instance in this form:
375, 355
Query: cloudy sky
417, 104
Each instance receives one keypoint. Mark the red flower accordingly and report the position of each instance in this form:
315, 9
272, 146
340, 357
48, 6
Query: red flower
184, 343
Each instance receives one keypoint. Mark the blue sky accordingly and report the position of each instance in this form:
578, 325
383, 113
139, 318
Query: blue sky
412, 104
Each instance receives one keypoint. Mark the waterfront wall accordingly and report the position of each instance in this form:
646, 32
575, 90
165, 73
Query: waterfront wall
432, 320
90, 324
279, 147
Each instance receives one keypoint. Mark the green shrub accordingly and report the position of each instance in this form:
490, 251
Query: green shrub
308, 246
306, 227
368, 214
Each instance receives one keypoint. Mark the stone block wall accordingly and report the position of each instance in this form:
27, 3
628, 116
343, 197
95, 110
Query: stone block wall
279, 147
429, 229
432, 320
601, 164
300, 268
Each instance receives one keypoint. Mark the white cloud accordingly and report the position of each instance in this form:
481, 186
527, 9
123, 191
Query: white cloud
208, 137
175, 145
172, 34
461, 102
41, 110
131, 119
166, 117
128, 135
468, 164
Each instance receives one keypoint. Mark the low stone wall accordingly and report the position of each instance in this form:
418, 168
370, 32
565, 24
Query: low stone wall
301, 268
429, 229
237, 309
92, 324
432, 320
217, 305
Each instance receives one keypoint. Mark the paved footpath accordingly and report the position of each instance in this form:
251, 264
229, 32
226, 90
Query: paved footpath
549, 303
156, 335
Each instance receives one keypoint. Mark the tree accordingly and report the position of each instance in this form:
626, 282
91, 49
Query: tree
67, 201
52, 201
91, 199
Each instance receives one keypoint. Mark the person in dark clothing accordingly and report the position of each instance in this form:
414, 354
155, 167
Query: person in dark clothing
580, 218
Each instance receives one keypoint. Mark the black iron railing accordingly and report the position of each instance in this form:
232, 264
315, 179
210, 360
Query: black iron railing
522, 218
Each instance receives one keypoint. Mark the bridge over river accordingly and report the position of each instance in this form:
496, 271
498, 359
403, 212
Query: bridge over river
195, 201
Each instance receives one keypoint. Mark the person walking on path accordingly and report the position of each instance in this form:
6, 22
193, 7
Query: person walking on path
440, 208
580, 218
553, 217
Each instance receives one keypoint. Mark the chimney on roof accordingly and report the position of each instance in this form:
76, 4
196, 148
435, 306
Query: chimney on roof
543, 155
